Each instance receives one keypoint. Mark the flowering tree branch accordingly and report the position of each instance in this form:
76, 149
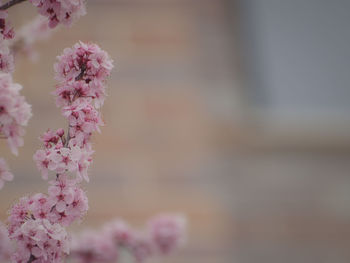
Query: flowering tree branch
10, 3
37, 223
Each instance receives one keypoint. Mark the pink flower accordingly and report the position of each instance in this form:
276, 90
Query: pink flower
6, 31
87, 62
5, 174
45, 241
167, 232
51, 138
141, 248
78, 207
42, 163
69, 202
14, 112
120, 232
91, 247
60, 11
18, 214
6, 249
41, 206
61, 193
6, 59
82, 117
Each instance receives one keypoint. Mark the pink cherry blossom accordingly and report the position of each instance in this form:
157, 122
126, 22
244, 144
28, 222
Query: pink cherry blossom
6, 59
41, 206
5, 174
82, 117
120, 232
141, 248
91, 246
60, 11
6, 31
6, 249
41, 240
14, 112
84, 61
19, 213
167, 232
69, 201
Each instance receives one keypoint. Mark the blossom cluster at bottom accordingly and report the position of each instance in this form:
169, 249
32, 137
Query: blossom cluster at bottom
37, 223
163, 234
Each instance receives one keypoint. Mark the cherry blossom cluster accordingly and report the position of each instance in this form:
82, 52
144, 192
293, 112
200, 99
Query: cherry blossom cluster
164, 234
38, 222
60, 11
40, 241
81, 71
60, 155
80, 93
6, 33
14, 112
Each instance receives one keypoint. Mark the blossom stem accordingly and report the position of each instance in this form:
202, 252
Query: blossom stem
68, 137
10, 3
31, 259
81, 75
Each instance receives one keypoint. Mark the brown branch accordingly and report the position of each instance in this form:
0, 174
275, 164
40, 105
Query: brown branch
10, 3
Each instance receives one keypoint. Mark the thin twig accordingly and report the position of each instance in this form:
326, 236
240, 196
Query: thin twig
81, 74
31, 259
10, 3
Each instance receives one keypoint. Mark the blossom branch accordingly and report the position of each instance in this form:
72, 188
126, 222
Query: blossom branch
81, 72
10, 4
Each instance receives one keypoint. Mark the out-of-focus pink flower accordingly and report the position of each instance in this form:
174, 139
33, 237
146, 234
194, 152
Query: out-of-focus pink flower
6, 59
167, 232
33, 31
141, 248
14, 112
120, 232
5, 174
91, 247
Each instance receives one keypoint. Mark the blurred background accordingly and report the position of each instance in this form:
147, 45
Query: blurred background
235, 113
